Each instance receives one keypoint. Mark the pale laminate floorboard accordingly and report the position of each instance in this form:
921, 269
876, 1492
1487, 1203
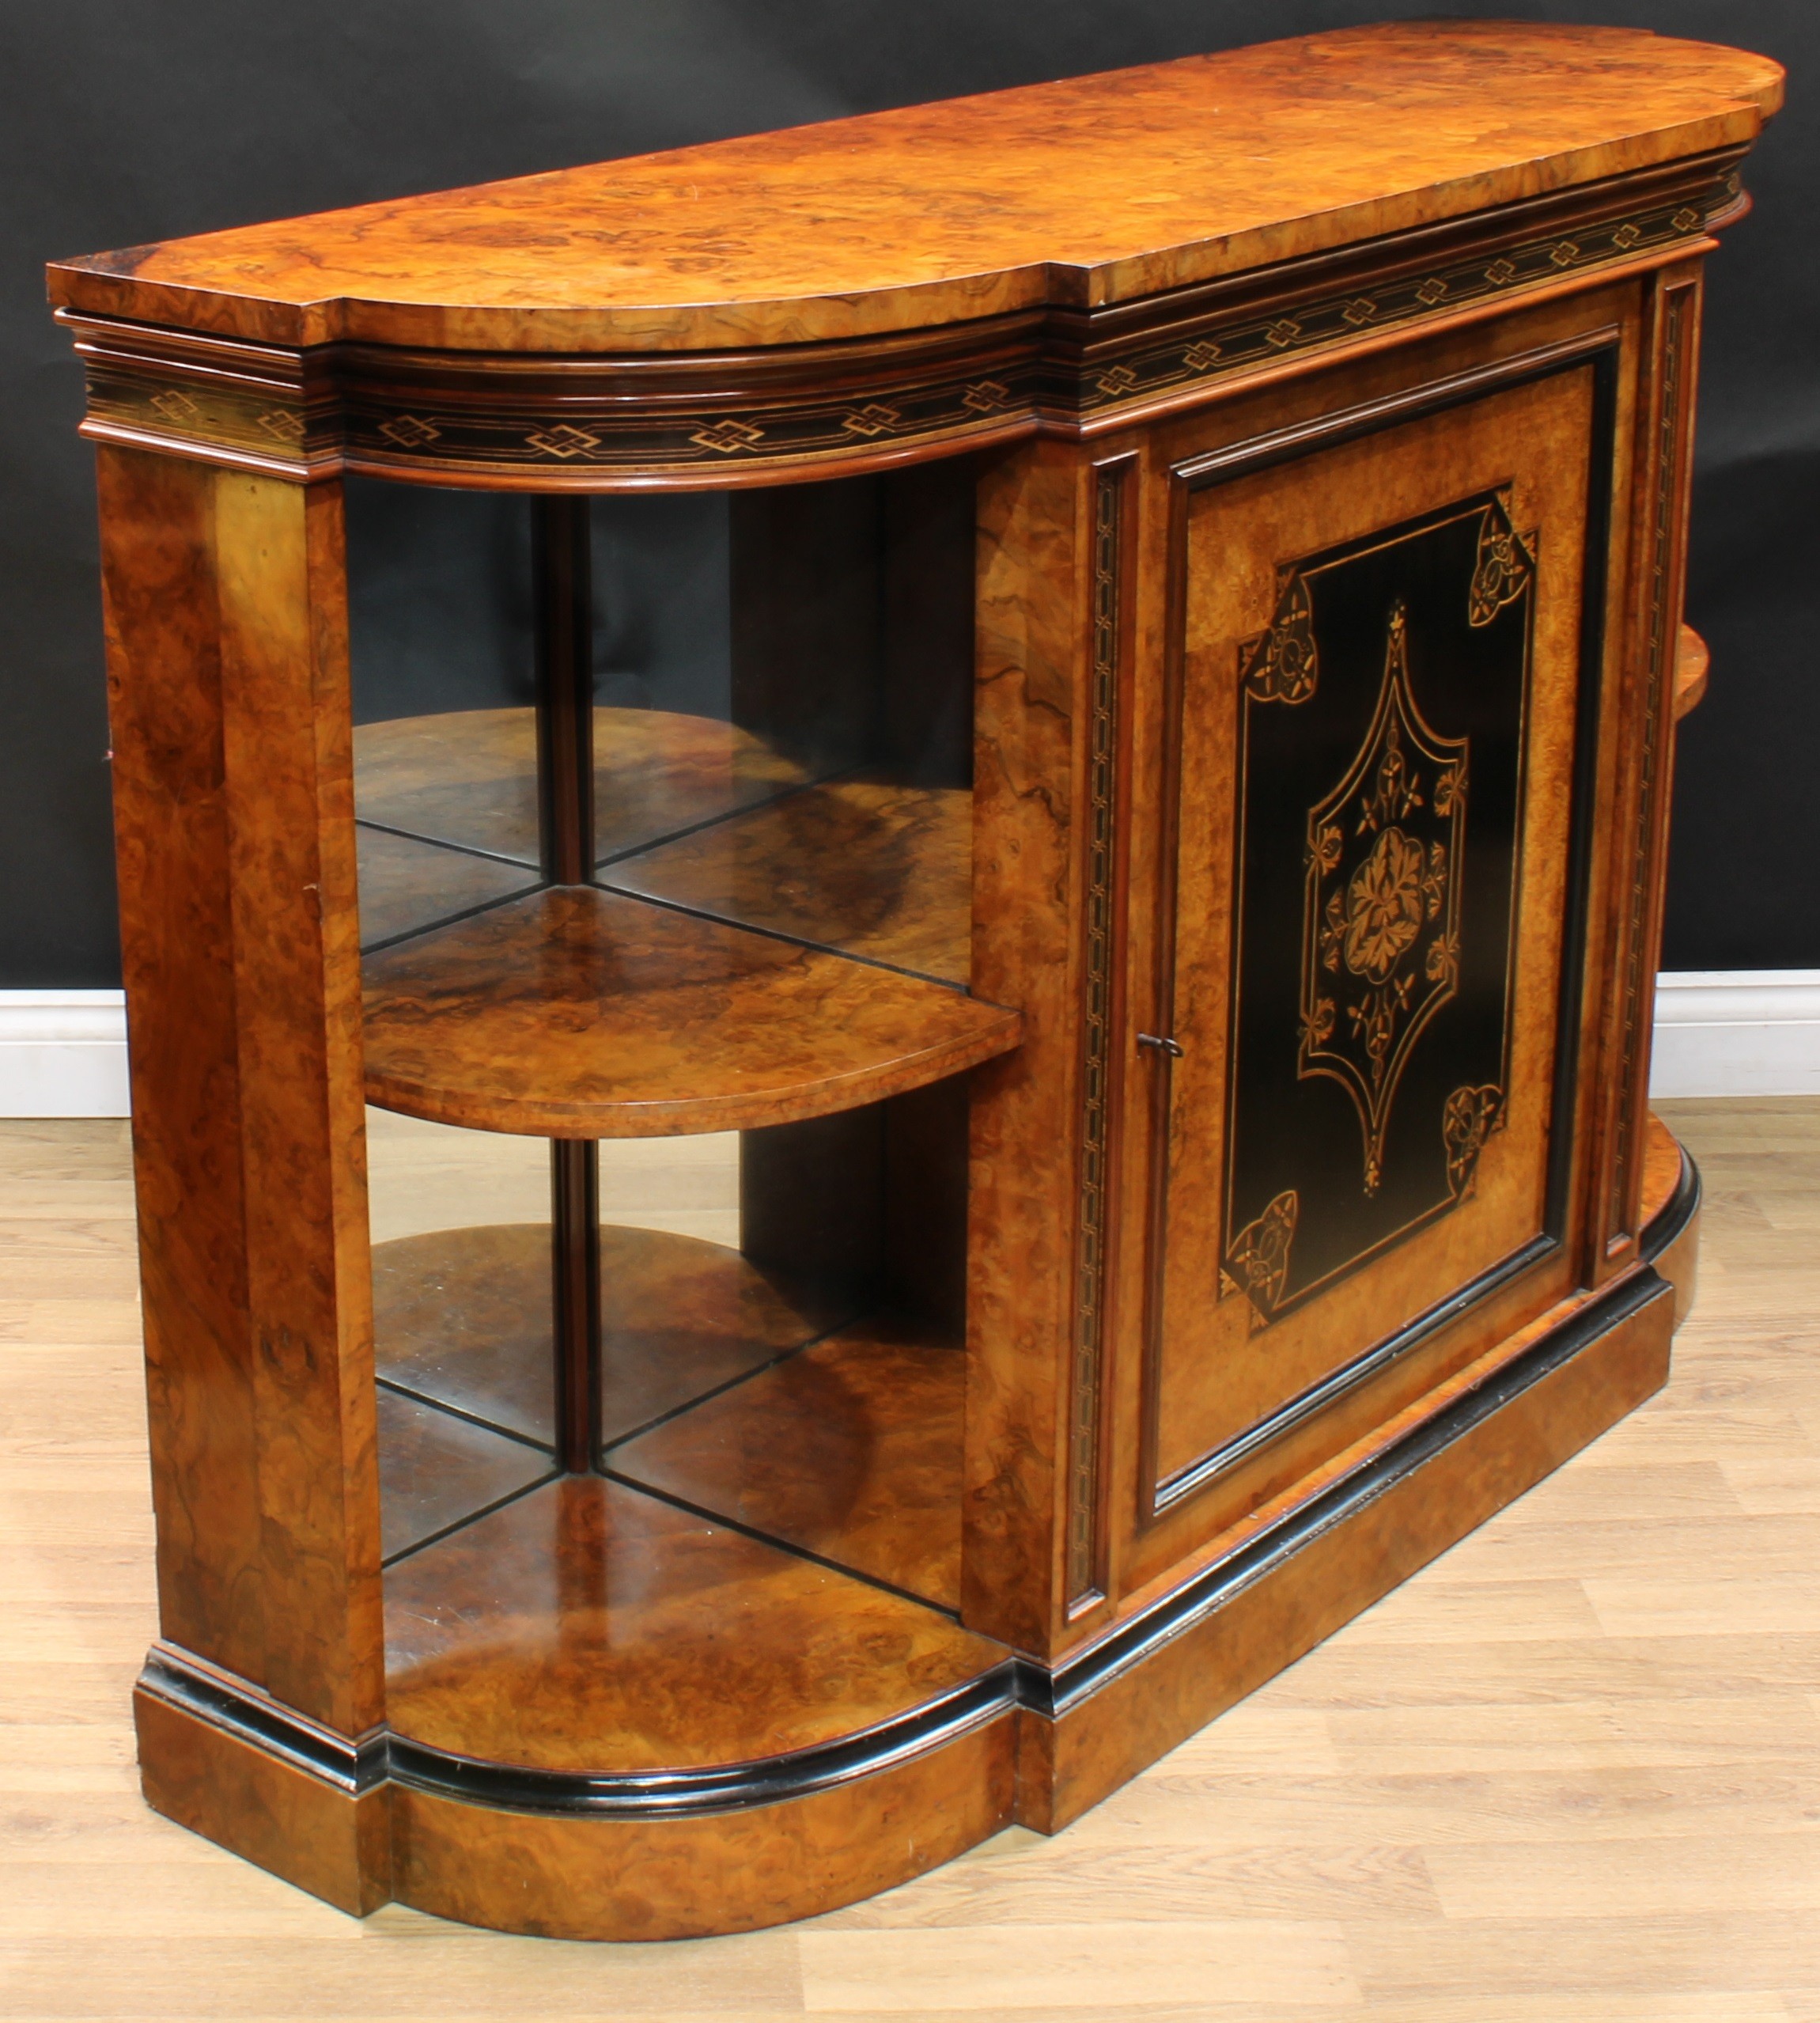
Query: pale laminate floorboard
1570, 1772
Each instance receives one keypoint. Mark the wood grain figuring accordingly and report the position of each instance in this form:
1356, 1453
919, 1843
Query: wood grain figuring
851, 1449
1143, 1551
328, 1841
931, 215
1031, 756
470, 777
171, 837
407, 885
588, 1627
1642, 801
227, 656
1096, 363
730, 1872
1692, 663
580, 1013
461, 1316
282, 613
865, 866
1222, 1365
436, 1470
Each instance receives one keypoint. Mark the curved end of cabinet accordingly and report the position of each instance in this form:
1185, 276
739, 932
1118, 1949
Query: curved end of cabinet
1692, 662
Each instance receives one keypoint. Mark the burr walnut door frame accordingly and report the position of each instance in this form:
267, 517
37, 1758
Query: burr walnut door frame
1496, 466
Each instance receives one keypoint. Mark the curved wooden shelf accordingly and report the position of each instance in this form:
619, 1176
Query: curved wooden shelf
851, 1450
407, 885
1692, 663
437, 1471
609, 1717
577, 1012
501, 1647
1086, 191
618, 1669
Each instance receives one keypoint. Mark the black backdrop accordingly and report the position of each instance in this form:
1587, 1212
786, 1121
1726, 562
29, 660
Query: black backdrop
122, 121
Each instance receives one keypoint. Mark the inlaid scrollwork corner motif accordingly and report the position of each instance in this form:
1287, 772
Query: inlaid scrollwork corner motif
1469, 1119
1382, 926
1506, 564
1284, 664
1258, 1265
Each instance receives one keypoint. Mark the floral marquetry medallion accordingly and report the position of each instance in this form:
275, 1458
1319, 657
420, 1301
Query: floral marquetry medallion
1382, 761
1381, 945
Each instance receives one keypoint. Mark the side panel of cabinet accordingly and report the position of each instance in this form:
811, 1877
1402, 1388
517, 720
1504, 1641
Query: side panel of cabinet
228, 695
1031, 735
1639, 799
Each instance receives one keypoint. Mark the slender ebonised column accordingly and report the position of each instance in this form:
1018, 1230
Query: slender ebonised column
565, 690
565, 822
575, 1251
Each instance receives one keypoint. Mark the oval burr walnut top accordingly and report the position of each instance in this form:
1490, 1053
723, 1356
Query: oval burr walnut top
1091, 191
578, 1012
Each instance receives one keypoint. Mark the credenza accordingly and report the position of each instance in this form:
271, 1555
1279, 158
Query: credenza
1155, 846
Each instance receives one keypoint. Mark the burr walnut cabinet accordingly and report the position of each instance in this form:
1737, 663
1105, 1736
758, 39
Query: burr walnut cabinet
1153, 839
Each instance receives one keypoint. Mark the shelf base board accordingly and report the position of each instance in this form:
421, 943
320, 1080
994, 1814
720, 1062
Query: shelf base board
571, 1877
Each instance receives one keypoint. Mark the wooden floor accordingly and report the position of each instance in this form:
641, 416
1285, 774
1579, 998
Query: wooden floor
1572, 1770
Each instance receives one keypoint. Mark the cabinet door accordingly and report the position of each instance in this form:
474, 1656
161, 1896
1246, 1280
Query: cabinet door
1375, 727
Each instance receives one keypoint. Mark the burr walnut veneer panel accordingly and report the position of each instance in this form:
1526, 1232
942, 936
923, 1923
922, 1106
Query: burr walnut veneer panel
1380, 694
577, 1012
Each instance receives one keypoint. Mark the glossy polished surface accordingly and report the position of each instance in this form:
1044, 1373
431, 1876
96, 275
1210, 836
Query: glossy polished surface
461, 1316
407, 885
436, 1470
1091, 191
1494, 1779
580, 1013
687, 810
1692, 663
470, 777
586, 1626
851, 1449
862, 865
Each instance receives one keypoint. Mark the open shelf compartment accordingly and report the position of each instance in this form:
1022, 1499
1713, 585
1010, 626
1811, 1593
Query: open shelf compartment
652, 1502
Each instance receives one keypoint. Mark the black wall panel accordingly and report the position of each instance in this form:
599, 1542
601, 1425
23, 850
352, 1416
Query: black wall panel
122, 121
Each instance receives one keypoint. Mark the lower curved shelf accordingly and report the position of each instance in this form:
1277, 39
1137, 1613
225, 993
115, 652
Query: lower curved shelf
741, 1629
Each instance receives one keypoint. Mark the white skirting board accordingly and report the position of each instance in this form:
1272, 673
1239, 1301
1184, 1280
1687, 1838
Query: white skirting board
1718, 1032
62, 1053
1737, 1032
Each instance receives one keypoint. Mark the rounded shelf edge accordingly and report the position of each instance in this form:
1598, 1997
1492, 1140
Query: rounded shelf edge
578, 1012
1693, 664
